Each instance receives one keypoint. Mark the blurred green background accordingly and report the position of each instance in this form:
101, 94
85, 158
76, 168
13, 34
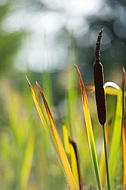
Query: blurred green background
43, 39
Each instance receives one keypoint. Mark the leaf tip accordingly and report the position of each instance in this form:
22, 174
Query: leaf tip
39, 87
29, 84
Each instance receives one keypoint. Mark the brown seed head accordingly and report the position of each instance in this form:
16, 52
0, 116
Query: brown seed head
98, 82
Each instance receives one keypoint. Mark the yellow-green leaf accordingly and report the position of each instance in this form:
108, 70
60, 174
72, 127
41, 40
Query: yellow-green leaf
66, 140
58, 144
89, 128
27, 160
37, 105
113, 89
123, 131
70, 147
75, 164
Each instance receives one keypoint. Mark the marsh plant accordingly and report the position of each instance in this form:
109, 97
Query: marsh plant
113, 134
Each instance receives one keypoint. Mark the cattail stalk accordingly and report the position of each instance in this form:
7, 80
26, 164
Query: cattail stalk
100, 97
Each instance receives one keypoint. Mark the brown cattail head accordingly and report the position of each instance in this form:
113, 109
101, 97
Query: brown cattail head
98, 82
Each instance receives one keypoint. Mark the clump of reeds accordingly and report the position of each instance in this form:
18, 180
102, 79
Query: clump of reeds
68, 156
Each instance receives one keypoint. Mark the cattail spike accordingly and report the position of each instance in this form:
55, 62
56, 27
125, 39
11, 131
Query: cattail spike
100, 97
99, 82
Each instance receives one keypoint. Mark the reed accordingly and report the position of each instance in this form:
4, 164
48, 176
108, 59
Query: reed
100, 97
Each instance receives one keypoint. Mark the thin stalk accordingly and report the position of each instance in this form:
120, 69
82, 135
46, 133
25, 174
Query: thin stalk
106, 157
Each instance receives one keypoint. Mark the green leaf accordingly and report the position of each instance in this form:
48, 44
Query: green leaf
123, 130
112, 89
71, 150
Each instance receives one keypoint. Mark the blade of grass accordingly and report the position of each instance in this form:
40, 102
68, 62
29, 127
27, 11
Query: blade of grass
106, 157
27, 161
113, 89
71, 150
58, 144
89, 128
68, 112
124, 152
14, 101
75, 164
102, 159
123, 132
66, 140
24, 161
37, 104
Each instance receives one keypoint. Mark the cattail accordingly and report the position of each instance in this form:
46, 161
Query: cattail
98, 82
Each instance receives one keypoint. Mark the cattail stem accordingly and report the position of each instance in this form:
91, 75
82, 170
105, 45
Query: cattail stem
106, 157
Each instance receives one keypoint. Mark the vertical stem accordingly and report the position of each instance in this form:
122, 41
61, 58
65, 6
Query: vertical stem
106, 158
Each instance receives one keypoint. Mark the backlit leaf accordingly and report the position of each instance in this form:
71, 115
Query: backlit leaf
71, 150
123, 131
58, 144
89, 128
116, 135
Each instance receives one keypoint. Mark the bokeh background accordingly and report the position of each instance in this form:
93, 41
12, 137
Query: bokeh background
43, 39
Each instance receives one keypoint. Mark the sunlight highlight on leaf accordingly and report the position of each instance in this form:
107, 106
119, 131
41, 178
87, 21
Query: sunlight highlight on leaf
111, 88
37, 104
66, 140
89, 128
